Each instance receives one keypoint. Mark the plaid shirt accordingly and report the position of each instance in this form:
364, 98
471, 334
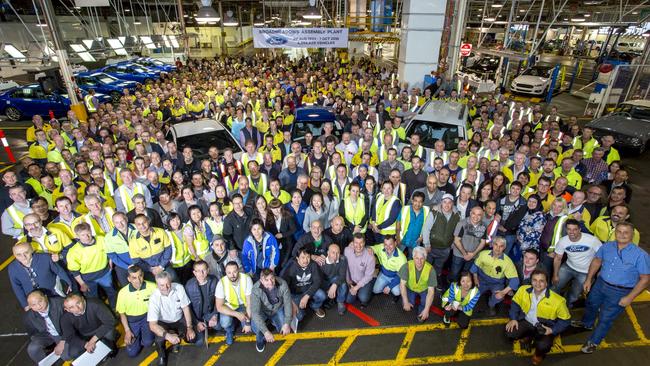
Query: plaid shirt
596, 170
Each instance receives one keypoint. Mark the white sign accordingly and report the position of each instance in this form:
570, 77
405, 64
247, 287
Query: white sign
300, 37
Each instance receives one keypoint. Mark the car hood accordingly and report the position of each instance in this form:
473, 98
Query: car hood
622, 125
530, 79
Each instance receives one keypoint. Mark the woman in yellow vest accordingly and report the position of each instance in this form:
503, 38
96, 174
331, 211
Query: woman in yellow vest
197, 234
459, 300
353, 210
181, 259
222, 200
215, 219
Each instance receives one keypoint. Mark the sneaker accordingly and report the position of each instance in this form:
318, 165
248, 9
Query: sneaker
363, 305
580, 324
294, 324
588, 347
176, 348
320, 313
446, 320
229, 338
260, 344
341, 308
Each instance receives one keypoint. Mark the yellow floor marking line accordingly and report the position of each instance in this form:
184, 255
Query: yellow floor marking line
462, 342
643, 297
635, 323
406, 345
338, 355
6, 262
280, 352
214, 358
152, 356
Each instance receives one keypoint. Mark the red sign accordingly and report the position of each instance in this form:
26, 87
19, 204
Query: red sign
465, 49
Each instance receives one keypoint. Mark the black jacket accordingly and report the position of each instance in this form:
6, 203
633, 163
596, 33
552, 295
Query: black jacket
196, 297
307, 241
236, 228
302, 281
97, 320
152, 214
342, 239
35, 323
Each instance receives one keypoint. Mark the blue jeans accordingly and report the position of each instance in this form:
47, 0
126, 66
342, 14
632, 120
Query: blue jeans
341, 290
412, 295
143, 337
227, 321
384, 281
602, 302
315, 302
511, 240
277, 320
458, 265
577, 279
363, 294
106, 283
492, 288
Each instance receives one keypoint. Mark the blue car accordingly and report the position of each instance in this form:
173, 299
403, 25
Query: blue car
24, 102
152, 63
131, 71
312, 119
104, 84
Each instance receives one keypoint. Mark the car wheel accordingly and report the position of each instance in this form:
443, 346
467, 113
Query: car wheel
116, 96
13, 113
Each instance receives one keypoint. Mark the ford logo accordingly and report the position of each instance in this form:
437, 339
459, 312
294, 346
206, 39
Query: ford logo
276, 40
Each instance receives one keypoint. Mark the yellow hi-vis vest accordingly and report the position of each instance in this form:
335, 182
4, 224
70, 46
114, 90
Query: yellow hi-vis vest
245, 159
230, 296
262, 184
200, 244
180, 254
16, 216
382, 211
420, 284
126, 198
90, 106
95, 228
355, 214
463, 301
406, 219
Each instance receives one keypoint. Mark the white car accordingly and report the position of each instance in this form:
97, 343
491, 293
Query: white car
201, 134
535, 80
630, 46
7, 84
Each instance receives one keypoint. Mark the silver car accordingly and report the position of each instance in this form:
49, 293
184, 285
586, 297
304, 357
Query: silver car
629, 124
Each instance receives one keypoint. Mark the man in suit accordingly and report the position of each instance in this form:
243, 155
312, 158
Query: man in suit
43, 322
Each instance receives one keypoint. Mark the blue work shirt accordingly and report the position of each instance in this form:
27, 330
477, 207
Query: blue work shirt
623, 267
414, 229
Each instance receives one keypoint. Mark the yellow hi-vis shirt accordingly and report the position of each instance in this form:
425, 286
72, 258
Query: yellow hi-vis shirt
132, 302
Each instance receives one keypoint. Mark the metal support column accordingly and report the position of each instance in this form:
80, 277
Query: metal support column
64, 62
222, 43
185, 39
459, 30
241, 25
506, 36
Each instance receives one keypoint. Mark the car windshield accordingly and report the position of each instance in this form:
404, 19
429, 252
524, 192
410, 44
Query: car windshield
139, 69
300, 128
106, 79
537, 71
201, 143
637, 111
430, 132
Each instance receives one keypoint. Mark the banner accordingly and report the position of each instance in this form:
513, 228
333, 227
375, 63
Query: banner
300, 37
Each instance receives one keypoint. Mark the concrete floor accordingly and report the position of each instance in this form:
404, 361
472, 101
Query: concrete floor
382, 333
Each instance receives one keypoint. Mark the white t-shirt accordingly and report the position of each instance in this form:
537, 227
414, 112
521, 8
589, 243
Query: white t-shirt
168, 308
248, 288
580, 253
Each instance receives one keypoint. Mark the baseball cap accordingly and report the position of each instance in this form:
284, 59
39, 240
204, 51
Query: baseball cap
447, 196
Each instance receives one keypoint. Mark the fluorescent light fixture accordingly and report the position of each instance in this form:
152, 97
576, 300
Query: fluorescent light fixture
127, 10
166, 41
587, 15
230, 20
42, 25
497, 5
47, 50
137, 22
490, 19
259, 24
77, 47
122, 40
87, 57
148, 42
312, 13
578, 19
174, 42
88, 43
207, 14
116, 45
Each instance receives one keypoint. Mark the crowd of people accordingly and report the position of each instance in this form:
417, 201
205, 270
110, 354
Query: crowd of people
112, 222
